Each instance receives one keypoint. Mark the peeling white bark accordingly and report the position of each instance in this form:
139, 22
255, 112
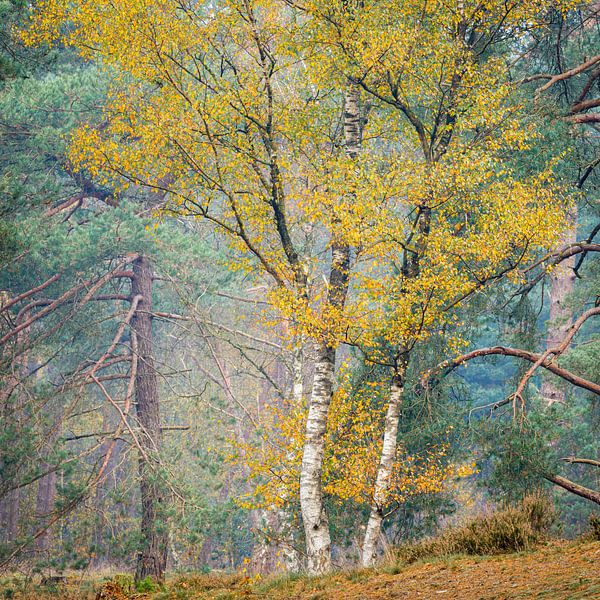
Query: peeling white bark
314, 517
298, 373
384, 473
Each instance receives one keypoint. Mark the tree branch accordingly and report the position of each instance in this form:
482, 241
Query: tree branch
574, 488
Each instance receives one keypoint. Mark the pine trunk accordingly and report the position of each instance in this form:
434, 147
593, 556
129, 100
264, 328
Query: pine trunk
10, 504
562, 281
9, 516
152, 558
44, 505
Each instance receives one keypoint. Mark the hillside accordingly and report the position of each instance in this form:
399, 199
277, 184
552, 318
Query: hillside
557, 571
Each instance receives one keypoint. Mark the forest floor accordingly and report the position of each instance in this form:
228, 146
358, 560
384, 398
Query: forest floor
556, 571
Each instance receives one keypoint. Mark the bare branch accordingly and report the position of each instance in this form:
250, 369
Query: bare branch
568, 74
581, 461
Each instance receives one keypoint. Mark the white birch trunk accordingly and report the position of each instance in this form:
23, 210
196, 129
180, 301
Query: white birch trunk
384, 473
316, 525
314, 517
298, 372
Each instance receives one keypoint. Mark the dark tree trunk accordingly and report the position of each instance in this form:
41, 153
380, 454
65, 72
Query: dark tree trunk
9, 516
152, 557
10, 504
44, 505
46, 492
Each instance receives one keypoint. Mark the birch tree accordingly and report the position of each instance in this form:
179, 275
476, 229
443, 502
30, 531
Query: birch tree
431, 68
214, 108
247, 114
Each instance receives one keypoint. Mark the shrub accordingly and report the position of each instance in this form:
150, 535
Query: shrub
512, 529
594, 528
146, 585
125, 581
111, 590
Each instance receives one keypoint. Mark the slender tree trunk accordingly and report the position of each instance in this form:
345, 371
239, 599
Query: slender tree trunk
277, 551
298, 372
314, 516
152, 558
46, 495
289, 554
9, 502
562, 281
105, 512
46, 492
10, 505
410, 269
384, 472
9, 516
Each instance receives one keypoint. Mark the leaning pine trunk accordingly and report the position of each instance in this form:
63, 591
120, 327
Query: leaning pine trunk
384, 472
152, 558
314, 517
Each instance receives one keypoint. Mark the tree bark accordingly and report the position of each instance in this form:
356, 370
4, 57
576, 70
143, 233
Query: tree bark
9, 516
562, 281
44, 505
152, 557
410, 269
10, 504
384, 472
574, 488
314, 516
298, 372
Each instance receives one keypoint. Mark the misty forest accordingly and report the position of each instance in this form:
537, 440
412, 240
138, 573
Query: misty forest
299, 299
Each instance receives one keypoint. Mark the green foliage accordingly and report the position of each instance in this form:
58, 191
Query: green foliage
146, 585
518, 452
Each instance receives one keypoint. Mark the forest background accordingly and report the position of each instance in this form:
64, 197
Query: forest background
284, 283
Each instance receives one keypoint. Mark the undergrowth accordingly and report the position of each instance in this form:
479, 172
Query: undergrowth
593, 532
512, 529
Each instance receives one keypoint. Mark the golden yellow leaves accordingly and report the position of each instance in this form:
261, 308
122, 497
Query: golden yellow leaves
239, 106
353, 446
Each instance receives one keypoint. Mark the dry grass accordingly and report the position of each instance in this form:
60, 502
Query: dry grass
521, 564
514, 529
555, 571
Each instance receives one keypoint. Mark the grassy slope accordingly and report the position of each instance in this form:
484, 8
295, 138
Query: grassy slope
558, 571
